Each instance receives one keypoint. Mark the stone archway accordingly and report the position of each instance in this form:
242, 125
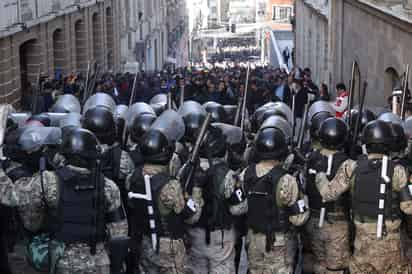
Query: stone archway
81, 46
59, 55
392, 81
30, 65
110, 38
30, 62
97, 39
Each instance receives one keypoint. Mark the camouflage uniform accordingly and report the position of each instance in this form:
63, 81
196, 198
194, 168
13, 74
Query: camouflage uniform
170, 256
218, 256
26, 194
126, 165
327, 249
371, 255
280, 259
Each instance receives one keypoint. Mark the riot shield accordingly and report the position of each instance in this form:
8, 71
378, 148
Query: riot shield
319, 106
193, 115
233, 134
121, 112
100, 100
390, 117
159, 103
216, 110
71, 120
272, 108
171, 124
407, 126
56, 117
279, 123
138, 109
66, 103
191, 107
20, 118
33, 138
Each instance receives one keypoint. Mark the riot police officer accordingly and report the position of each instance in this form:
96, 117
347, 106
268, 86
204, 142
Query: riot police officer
158, 207
213, 237
380, 193
275, 205
326, 234
75, 205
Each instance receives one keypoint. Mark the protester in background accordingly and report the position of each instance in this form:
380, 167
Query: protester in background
323, 93
309, 85
342, 100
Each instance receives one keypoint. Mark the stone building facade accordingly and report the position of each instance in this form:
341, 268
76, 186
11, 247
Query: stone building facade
376, 34
55, 37
151, 31
280, 13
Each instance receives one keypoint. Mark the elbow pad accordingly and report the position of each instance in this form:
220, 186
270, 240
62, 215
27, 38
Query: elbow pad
406, 193
299, 207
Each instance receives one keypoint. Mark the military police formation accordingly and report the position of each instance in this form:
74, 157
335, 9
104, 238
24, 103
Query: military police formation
174, 186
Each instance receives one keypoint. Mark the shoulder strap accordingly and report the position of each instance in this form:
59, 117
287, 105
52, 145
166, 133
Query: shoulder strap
117, 157
275, 174
250, 174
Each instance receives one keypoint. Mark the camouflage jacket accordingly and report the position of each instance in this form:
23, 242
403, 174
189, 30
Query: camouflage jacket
345, 180
27, 195
287, 192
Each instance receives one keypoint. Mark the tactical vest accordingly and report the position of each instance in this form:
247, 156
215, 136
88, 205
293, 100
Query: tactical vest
264, 215
18, 173
366, 193
136, 156
315, 199
111, 163
215, 213
170, 225
78, 219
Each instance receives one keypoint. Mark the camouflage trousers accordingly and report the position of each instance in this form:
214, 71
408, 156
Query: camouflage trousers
77, 259
280, 260
326, 249
378, 256
216, 258
169, 259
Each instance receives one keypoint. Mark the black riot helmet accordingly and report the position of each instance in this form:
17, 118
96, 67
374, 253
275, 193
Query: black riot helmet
140, 125
270, 144
235, 153
316, 122
193, 123
42, 119
377, 136
81, 147
367, 116
11, 149
159, 108
156, 148
101, 122
333, 133
214, 144
217, 111
400, 142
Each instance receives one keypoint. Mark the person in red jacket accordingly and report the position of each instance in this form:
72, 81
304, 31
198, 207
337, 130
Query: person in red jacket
342, 100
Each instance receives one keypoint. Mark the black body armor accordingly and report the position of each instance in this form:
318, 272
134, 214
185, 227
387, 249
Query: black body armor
366, 194
79, 217
320, 163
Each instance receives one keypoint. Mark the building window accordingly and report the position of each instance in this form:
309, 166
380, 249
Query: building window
282, 13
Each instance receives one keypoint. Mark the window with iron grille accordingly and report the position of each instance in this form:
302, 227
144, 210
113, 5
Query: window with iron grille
282, 13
